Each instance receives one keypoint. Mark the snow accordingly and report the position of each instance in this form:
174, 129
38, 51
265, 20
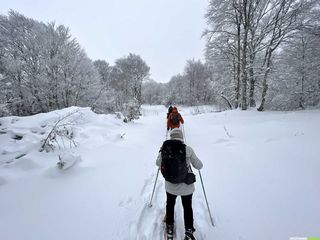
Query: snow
261, 175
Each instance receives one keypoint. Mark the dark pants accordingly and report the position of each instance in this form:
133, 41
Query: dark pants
187, 209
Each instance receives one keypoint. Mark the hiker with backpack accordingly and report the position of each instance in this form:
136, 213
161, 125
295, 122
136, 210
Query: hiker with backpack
174, 119
175, 160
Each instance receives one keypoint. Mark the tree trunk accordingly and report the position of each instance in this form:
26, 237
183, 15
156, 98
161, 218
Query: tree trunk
252, 102
227, 100
244, 79
264, 82
303, 75
140, 93
244, 73
238, 64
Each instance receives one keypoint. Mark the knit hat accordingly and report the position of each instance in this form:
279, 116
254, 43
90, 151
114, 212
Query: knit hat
176, 133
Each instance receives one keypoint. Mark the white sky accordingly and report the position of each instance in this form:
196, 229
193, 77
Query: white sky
165, 33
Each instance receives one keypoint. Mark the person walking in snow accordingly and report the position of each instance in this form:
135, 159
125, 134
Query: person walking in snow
179, 156
174, 119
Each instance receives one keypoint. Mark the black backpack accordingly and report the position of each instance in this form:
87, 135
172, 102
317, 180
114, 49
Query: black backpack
173, 166
175, 118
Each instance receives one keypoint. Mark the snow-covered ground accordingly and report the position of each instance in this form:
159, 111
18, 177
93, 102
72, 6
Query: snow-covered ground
261, 174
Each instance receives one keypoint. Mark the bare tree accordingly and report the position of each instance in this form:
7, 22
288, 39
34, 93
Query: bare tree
280, 22
245, 35
224, 41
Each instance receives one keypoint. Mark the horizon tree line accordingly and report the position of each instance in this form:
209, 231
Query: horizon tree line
263, 53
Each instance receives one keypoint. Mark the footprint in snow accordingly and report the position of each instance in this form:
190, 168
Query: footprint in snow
221, 140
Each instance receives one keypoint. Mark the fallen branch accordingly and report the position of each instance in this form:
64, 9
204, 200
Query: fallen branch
227, 100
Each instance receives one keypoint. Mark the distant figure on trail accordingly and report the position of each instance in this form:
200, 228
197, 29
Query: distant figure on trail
174, 119
169, 110
175, 160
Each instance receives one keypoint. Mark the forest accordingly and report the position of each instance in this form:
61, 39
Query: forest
259, 54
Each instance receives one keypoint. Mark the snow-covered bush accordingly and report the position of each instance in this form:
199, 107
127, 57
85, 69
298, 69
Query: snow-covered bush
131, 111
4, 110
62, 133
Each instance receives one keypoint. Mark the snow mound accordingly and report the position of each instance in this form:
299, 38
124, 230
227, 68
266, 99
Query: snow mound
68, 160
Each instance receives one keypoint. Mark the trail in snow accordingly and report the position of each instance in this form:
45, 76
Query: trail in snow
148, 222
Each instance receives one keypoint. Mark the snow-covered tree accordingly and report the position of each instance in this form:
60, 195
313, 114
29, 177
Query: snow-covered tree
297, 67
192, 87
44, 68
198, 79
127, 77
105, 99
246, 36
154, 92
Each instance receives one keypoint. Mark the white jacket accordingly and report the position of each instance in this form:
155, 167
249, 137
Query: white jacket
182, 189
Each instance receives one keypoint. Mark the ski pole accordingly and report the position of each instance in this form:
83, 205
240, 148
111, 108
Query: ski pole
154, 187
184, 134
205, 196
167, 130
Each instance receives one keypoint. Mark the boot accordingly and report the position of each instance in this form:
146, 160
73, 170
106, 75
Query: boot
189, 234
169, 231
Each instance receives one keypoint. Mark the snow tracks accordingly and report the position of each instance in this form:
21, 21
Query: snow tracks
148, 222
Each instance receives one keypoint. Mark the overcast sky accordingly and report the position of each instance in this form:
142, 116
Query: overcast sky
165, 33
